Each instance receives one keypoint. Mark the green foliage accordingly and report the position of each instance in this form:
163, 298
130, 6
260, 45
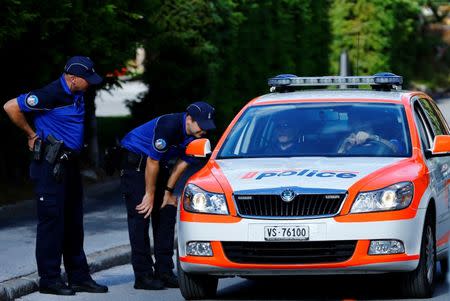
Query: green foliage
379, 35
181, 53
14, 18
112, 129
224, 51
221, 51
289, 36
434, 70
36, 39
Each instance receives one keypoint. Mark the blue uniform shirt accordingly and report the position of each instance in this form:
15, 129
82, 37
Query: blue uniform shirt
57, 111
161, 139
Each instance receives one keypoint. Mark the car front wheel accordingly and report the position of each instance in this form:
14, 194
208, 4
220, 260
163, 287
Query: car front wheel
195, 287
420, 282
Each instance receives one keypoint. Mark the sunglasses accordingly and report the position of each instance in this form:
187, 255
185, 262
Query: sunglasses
283, 125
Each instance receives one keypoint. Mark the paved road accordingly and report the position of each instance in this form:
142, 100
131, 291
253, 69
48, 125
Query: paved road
104, 223
120, 281
105, 227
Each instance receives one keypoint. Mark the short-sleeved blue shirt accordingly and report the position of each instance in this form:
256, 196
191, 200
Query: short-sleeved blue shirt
161, 139
56, 111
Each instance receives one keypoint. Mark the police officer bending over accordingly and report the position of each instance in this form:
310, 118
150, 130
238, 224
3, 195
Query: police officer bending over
147, 187
57, 111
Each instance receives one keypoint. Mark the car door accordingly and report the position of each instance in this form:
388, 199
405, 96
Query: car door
433, 121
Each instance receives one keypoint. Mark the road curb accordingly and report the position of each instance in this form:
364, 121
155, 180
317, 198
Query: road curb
101, 260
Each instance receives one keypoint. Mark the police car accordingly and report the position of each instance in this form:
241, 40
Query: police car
333, 181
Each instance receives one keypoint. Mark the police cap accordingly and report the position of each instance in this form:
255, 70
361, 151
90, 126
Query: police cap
83, 67
203, 113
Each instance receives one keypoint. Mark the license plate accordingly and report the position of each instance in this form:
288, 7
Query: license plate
286, 233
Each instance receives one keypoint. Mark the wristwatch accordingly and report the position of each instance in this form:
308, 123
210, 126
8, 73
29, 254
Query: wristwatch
169, 189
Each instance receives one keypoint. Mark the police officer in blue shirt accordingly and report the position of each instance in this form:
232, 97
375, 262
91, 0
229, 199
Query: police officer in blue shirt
148, 186
57, 111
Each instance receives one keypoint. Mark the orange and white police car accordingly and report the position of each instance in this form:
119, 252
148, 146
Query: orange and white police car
310, 181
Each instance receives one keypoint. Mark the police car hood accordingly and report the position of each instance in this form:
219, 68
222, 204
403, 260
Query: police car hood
305, 172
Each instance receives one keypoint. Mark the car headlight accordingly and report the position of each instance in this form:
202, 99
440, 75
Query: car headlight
199, 200
394, 197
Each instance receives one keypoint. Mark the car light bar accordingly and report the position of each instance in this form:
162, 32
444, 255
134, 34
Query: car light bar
290, 80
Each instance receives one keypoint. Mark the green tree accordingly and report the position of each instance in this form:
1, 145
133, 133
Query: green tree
433, 59
181, 52
379, 35
224, 51
37, 37
288, 36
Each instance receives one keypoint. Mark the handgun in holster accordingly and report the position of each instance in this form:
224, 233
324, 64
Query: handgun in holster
56, 156
59, 168
52, 149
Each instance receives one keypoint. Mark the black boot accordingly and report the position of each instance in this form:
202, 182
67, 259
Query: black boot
148, 283
169, 279
89, 286
56, 288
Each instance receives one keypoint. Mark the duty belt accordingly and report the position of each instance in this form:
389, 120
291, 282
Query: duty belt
52, 152
133, 161
138, 162
64, 154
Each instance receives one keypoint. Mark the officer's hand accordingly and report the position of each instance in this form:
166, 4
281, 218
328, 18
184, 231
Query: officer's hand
351, 140
361, 137
169, 199
347, 143
146, 206
31, 142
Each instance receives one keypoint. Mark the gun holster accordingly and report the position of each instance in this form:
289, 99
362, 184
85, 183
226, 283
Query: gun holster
52, 149
59, 168
55, 155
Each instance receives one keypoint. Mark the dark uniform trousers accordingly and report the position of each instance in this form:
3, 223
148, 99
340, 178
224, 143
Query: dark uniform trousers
163, 222
60, 222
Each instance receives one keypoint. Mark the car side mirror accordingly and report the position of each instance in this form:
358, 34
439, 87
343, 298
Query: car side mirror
199, 148
441, 147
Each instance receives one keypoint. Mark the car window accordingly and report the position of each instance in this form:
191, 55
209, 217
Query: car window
425, 133
311, 129
433, 117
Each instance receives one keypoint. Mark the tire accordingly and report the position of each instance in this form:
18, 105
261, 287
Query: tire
444, 268
420, 282
195, 287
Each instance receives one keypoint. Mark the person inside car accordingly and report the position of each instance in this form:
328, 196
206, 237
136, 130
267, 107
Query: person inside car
285, 139
365, 140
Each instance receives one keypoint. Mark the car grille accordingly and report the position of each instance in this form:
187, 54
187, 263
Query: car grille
305, 252
303, 205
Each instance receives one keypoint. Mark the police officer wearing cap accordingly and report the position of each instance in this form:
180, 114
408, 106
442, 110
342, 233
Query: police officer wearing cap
148, 183
56, 139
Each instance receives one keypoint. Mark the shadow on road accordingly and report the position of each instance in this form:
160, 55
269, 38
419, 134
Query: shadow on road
366, 287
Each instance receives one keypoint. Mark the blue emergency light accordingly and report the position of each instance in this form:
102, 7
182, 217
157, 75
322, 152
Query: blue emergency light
291, 80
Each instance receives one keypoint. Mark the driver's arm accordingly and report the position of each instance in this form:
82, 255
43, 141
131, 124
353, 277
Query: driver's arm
347, 143
362, 137
388, 143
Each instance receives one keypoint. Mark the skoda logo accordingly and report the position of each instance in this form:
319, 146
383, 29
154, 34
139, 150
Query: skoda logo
287, 195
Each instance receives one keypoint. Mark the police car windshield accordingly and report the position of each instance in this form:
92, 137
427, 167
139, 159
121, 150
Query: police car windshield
325, 129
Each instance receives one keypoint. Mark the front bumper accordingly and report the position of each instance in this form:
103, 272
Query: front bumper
252, 230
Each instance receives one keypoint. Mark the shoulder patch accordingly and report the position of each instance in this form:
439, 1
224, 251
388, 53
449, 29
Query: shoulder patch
160, 144
32, 100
